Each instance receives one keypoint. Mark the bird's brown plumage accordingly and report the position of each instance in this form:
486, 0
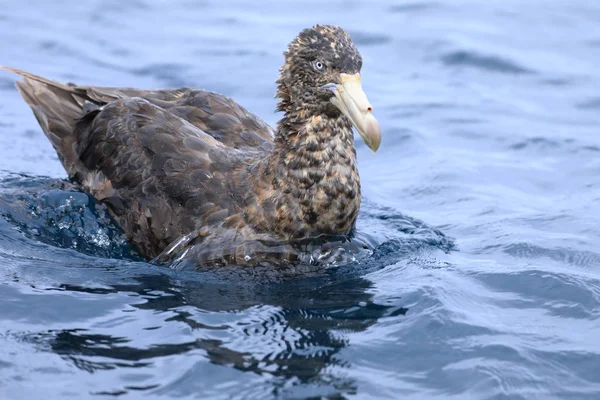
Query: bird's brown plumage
191, 172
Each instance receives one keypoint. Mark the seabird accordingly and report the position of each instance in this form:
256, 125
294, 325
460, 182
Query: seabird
191, 173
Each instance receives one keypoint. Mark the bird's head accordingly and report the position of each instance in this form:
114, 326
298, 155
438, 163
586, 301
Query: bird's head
321, 75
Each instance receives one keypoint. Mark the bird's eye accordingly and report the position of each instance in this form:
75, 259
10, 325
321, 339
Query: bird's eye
319, 65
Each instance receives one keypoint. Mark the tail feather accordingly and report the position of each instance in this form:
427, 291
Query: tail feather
37, 78
57, 107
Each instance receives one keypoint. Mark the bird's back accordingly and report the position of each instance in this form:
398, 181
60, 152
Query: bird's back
165, 162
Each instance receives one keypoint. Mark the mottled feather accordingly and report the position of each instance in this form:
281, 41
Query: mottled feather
189, 171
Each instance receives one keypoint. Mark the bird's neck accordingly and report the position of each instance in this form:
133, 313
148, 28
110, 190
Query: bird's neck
313, 175
311, 140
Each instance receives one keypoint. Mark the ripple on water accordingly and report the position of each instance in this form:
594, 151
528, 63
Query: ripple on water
361, 38
293, 331
413, 6
594, 43
545, 145
590, 104
492, 63
171, 74
562, 255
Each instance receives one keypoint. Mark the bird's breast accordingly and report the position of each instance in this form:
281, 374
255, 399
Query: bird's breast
322, 200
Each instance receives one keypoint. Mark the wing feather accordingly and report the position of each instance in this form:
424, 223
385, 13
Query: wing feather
168, 176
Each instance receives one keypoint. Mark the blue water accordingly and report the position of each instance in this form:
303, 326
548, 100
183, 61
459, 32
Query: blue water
484, 201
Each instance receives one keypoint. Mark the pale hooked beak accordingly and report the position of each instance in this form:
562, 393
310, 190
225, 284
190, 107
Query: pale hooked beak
353, 103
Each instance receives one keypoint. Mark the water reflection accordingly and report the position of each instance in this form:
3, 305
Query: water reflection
289, 330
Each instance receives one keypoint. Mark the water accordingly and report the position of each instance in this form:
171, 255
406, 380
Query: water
484, 195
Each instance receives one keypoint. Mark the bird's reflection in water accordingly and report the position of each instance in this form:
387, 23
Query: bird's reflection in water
290, 330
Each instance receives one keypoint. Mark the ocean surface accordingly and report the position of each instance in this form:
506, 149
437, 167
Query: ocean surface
483, 201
